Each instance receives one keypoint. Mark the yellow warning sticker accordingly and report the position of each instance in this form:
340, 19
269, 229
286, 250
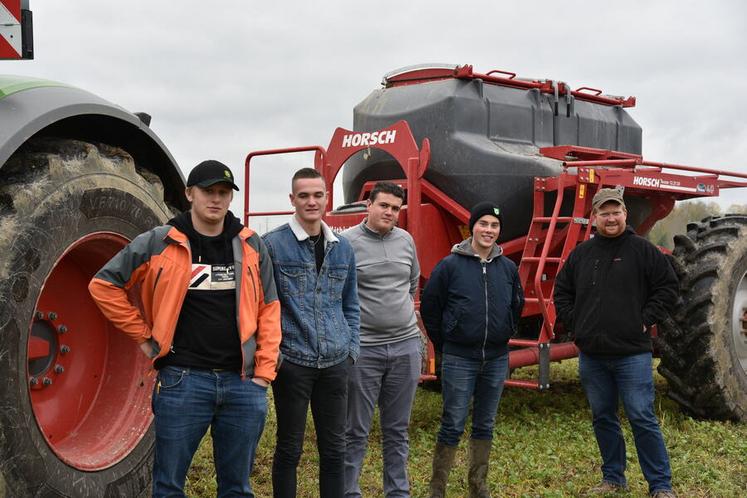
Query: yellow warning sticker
582, 191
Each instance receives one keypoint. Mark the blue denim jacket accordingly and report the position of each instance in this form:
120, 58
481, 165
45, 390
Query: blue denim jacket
320, 315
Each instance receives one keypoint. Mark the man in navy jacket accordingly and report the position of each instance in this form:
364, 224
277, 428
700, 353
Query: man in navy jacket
470, 308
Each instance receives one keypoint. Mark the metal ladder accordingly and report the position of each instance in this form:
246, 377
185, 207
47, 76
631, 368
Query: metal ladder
549, 241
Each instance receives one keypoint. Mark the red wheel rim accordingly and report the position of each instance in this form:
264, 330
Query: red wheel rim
89, 384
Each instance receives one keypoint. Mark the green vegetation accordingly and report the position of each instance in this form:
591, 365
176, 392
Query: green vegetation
544, 446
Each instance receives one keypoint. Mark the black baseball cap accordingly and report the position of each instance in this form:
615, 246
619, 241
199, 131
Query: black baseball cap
209, 173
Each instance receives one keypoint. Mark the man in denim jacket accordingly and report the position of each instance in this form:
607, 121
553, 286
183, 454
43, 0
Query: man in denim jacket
316, 279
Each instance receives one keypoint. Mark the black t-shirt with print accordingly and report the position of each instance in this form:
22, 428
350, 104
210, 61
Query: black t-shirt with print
207, 334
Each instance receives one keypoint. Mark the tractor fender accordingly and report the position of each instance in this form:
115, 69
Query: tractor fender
42, 108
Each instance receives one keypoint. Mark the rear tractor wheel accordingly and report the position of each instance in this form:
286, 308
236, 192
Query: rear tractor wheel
704, 344
75, 393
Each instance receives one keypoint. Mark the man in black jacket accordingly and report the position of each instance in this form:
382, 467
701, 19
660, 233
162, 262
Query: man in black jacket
470, 308
611, 291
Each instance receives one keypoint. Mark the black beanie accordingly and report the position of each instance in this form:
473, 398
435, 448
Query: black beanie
481, 209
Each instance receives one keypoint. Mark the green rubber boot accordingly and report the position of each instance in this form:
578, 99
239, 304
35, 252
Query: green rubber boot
443, 460
479, 458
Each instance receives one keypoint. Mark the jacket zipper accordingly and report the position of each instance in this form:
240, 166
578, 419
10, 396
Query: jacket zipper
254, 285
238, 313
158, 277
485, 285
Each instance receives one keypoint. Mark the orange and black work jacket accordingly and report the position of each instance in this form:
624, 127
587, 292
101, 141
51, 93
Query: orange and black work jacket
157, 266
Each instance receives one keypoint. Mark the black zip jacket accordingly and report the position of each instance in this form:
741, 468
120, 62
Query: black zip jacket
469, 307
609, 289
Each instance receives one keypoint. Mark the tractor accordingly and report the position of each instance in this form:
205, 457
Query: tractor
79, 178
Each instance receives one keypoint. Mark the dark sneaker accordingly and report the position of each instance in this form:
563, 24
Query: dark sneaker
668, 493
604, 488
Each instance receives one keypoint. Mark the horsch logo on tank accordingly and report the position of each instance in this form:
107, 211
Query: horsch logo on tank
373, 138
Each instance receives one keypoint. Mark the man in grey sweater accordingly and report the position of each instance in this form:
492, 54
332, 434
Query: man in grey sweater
388, 368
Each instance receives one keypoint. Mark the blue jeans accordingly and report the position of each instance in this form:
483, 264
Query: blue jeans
464, 380
186, 401
630, 378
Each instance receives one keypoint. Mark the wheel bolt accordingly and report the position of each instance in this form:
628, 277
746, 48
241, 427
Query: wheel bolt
52, 315
59, 368
47, 381
39, 315
64, 349
62, 329
33, 381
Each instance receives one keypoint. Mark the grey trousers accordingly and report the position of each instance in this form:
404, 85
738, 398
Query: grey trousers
386, 375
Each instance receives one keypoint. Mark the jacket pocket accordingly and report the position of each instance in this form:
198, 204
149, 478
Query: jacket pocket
451, 322
290, 333
292, 279
337, 275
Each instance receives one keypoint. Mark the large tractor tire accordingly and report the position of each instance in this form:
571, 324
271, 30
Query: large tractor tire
75, 393
704, 345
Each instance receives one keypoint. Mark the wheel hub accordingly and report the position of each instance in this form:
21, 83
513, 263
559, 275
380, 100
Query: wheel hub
46, 358
739, 322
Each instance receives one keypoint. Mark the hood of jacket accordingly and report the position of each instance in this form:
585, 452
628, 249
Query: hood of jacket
183, 222
464, 248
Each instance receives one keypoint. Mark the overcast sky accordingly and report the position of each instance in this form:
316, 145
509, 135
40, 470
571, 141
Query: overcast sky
223, 78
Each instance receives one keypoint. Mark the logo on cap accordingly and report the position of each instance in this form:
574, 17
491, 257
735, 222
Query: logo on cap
227, 174
496, 211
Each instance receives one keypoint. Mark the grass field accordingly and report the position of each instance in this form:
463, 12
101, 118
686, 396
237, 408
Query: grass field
543, 446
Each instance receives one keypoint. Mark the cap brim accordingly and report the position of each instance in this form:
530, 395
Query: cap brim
597, 205
209, 183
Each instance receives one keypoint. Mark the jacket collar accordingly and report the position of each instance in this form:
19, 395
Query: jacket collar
601, 239
301, 234
373, 233
177, 236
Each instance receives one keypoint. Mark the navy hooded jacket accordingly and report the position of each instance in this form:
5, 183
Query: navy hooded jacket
470, 308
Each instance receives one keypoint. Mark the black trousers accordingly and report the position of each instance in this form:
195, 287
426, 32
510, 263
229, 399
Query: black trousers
327, 391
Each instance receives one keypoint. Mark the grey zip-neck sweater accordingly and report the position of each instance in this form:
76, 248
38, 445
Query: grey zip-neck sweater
388, 273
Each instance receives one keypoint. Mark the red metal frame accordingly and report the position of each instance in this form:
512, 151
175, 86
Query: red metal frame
549, 240
546, 244
560, 89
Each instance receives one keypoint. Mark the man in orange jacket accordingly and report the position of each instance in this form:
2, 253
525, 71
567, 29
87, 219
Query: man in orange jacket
209, 317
